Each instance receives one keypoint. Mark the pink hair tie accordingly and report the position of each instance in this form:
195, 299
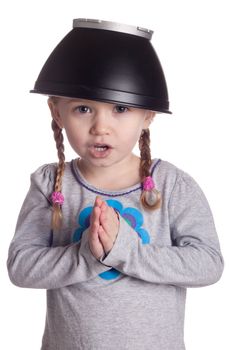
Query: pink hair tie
148, 184
57, 198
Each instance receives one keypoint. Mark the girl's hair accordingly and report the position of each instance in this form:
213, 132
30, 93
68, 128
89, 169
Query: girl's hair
145, 164
58, 137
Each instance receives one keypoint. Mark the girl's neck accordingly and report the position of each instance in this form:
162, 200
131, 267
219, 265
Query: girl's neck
116, 177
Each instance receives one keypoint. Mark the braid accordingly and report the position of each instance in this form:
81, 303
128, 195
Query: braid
145, 164
58, 136
144, 145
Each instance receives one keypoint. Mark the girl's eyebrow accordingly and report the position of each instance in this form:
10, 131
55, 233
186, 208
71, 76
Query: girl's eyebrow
90, 102
76, 100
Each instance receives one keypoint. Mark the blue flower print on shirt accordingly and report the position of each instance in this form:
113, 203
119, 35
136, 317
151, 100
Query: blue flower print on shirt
84, 222
131, 215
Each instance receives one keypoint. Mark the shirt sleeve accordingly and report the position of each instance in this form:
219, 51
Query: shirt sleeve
32, 261
192, 260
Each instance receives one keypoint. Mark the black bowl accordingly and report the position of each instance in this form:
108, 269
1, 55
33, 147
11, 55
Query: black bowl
106, 61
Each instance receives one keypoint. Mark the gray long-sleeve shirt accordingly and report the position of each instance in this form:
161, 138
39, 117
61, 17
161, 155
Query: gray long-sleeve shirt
135, 297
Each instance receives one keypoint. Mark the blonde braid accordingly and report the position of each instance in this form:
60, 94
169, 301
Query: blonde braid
144, 145
58, 136
145, 164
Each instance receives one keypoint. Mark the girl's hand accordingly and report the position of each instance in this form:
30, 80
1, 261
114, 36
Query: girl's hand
95, 245
109, 226
104, 225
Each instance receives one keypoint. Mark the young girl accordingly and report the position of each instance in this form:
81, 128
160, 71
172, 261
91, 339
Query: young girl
114, 238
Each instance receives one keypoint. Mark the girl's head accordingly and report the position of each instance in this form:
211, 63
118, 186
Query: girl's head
105, 85
95, 129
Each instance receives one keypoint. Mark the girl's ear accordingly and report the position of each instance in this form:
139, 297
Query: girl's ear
54, 112
149, 116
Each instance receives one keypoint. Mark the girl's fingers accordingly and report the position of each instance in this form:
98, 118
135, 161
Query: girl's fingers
104, 216
94, 232
104, 205
95, 215
95, 244
98, 201
94, 220
105, 240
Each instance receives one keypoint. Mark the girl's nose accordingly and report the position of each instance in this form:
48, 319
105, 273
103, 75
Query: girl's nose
100, 125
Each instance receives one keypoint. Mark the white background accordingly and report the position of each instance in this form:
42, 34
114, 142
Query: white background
192, 41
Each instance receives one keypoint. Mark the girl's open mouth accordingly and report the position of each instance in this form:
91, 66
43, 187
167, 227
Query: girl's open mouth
100, 150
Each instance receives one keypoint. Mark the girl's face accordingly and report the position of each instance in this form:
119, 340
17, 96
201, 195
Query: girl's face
102, 134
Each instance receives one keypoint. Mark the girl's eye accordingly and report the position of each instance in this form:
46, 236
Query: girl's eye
121, 109
82, 109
